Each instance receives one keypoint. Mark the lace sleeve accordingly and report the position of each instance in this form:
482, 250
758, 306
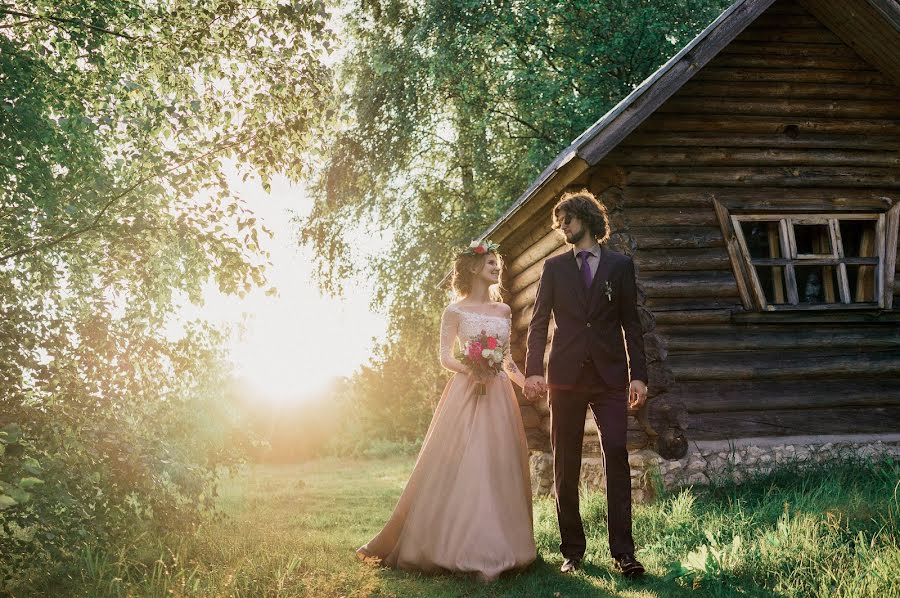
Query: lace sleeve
449, 328
510, 367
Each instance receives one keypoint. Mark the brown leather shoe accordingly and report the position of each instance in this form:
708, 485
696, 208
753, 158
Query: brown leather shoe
629, 566
570, 565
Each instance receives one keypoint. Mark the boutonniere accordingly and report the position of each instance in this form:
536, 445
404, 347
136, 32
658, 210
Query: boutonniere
608, 291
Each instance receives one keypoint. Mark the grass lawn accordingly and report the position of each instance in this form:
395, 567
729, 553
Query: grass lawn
291, 531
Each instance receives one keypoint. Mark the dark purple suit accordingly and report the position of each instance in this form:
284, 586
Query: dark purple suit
588, 367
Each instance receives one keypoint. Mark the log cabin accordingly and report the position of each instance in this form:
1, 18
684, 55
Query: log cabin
754, 180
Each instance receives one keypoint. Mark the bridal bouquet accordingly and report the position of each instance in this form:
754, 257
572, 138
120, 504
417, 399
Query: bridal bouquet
483, 355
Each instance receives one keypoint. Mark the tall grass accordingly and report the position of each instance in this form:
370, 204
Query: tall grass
826, 530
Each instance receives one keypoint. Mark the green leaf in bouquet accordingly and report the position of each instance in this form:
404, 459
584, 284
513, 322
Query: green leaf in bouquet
7, 502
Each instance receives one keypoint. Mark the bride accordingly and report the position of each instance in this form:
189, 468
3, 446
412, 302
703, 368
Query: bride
467, 505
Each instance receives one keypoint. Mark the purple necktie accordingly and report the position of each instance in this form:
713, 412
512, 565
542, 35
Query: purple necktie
586, 277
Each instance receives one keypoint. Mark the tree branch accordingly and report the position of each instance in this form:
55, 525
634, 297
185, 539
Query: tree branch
96, 221
63, 20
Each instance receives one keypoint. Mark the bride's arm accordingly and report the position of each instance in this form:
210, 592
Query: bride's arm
509, 366
449, 328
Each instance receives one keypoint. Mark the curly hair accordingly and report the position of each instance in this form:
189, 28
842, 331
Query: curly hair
584, 206
465, 266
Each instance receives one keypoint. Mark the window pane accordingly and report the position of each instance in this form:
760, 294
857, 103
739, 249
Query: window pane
817, 284
762, 239
858, 238
813, 239
771, 279
862, 283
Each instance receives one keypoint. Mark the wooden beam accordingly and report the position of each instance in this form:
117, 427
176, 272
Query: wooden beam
868, 109
743, 271
764, 198
743, 365
767, 123
710, 156
677, 237
773, 140
750, 90
700, 397
891, 232
793, 422
707, 284
788, 176
649, 260
714, 340
845, 77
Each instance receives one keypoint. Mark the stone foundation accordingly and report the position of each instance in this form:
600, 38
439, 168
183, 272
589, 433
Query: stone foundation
715, 460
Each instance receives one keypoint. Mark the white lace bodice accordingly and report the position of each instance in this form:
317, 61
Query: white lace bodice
458, 325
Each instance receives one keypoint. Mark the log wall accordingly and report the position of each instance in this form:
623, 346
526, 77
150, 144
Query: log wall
787, 117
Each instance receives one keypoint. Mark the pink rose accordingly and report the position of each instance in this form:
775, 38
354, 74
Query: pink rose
479, 250
491, 343
475, 350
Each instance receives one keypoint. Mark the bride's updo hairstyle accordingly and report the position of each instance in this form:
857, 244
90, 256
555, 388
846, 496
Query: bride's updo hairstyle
469, 263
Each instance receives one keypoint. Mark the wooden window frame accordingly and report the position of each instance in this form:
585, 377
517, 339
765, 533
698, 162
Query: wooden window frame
751, 290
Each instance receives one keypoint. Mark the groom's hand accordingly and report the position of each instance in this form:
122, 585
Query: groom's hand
637, 394
534, 386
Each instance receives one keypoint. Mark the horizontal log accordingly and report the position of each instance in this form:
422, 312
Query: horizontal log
646, 217
794, 21
533, 272
836, 76
785, 8
692, 237
750, 90
787, 62
742, 365
524, 297
810, 140
521, 318
701, 397
527, 236
800, 199
785, 339
709, 284
691, 317
534, 253
738, 123
682, 259
709, 156
793, 422
786, 176
819, 35
665, 304
686, 105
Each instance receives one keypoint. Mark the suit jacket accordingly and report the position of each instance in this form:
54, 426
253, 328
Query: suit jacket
588, 323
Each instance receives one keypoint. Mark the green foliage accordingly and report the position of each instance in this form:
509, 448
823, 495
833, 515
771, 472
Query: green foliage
450, 110
117, 119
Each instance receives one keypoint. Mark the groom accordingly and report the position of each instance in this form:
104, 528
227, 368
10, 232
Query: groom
592, 295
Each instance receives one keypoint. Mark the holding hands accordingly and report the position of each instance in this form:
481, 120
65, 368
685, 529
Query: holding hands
535, 386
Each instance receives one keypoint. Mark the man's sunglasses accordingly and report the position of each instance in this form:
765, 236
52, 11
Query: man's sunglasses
567, 219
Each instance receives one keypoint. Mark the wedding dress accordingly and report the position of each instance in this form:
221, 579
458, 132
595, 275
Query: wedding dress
467, 505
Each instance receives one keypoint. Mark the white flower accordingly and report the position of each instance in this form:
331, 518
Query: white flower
498, 355
486, 353
474, 244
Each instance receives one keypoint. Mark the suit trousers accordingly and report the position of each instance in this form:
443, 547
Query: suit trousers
610, 409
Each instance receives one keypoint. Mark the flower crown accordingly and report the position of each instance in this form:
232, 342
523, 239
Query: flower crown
481, 247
